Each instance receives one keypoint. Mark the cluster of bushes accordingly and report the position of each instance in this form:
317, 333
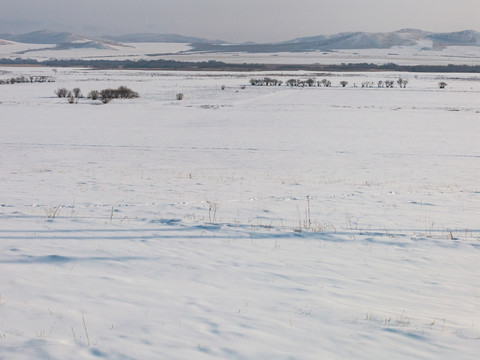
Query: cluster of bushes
293, 82
122, 92
266, 81
105, 95
380, 84
402, 83
72, 96
27, 79
309, 82
368, 84
63, 92
386, 83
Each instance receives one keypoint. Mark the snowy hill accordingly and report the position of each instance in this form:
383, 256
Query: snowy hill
62, 37
43, 37
346, 40
461, 38
152, 37
358, 40
404, 37
63, 40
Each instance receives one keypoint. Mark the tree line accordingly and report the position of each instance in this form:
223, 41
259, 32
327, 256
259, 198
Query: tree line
26, 79
267, 81
218, 65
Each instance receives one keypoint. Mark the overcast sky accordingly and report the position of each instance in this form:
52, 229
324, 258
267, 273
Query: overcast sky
238, 20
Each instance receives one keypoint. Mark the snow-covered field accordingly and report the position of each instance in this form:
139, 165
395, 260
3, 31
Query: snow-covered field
256, 223
127, 51
402, 55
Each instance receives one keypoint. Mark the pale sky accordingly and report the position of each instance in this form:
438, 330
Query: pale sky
238, 20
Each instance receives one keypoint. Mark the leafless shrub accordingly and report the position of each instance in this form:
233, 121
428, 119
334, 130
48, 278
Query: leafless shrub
442, 84
94, 94
326, 83
389, 83
106, 95
212, 211
124, 92
344, 83
402, 83
61, 92
368, 84
77, 93
292, 82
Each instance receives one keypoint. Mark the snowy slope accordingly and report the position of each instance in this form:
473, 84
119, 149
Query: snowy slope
256, 223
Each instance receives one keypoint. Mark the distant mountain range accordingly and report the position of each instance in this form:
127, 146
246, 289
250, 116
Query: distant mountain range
62, 37
356, 40
62, 40
348, 40
164, 38
44, 37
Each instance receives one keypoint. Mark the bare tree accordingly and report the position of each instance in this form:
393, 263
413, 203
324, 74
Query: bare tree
124, 92
106, 95
62, 92
77, 93
402, 83
326, 83
389, 83
292, 82
94, 94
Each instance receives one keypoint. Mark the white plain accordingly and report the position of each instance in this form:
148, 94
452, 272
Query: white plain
256, 223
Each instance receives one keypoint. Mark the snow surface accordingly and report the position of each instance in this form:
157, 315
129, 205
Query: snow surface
421, 54
256, 223
401, 55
